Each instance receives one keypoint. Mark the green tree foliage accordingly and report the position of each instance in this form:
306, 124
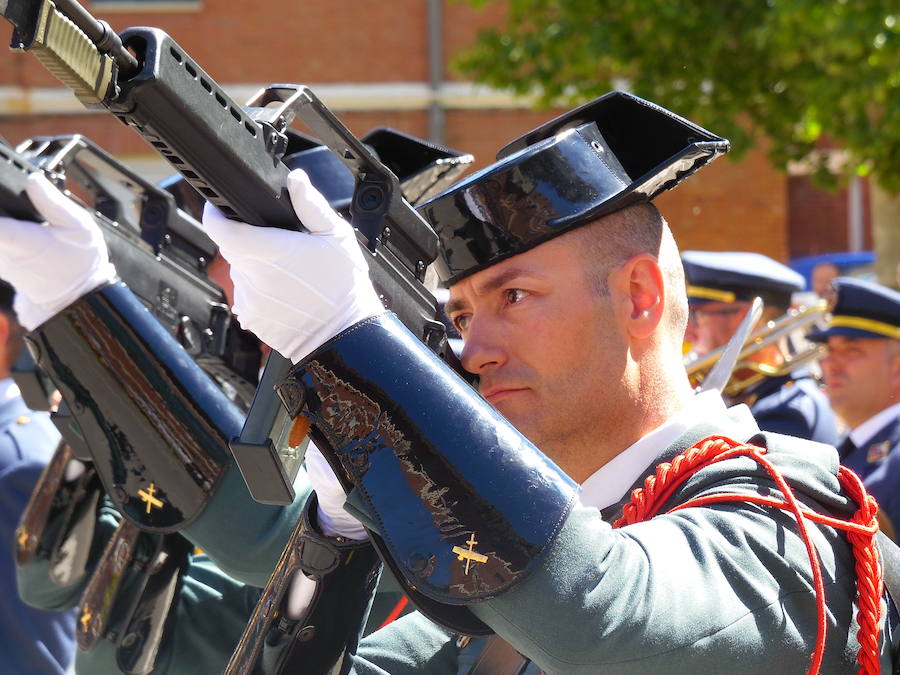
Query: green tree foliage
806, 74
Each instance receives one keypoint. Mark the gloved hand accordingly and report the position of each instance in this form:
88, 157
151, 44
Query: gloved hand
334, 521
53, 264
296, 290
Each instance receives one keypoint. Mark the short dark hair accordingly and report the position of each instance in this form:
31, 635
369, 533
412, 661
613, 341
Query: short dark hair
612, 240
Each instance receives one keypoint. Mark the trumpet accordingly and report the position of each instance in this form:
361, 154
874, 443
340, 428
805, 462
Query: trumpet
787, 333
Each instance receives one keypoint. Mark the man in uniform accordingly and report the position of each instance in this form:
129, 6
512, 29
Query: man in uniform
721, 287
821, 277
34, 641
862, 381
575, 334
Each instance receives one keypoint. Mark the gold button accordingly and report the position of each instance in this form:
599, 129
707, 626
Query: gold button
23, 419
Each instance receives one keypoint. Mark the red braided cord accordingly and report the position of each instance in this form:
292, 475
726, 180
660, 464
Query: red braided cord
869, 578
658, 488
396, 612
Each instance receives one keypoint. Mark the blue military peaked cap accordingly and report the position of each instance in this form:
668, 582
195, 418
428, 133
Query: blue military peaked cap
732, 276
862, 309
608, 154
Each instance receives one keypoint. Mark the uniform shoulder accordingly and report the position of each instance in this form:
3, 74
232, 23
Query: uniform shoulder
29, 435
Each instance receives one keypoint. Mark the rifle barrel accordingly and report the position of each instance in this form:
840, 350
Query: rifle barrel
100, 33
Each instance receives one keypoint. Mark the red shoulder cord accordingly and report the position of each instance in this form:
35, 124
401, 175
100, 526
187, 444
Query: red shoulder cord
646, 502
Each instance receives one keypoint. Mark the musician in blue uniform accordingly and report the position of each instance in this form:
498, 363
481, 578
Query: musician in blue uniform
721, 287
34, 641
862, 381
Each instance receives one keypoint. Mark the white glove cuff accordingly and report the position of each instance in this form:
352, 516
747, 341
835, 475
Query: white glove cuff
366, 305
31, 314
334, 521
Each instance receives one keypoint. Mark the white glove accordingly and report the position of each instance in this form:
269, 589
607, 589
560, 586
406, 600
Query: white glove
52, 264
296, 290
334, 521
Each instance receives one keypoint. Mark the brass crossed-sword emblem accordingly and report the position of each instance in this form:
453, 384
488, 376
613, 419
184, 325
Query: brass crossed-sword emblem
86, 617
469, 554
148, 497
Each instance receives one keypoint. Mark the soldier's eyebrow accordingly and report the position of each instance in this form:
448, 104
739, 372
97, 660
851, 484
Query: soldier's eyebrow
490, 285
454, 305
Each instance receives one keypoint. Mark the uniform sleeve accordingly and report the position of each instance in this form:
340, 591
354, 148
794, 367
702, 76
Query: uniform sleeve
703, 590
33, 580
801, 411
33, 640
209, 618
243, 537
786, 420
410, 645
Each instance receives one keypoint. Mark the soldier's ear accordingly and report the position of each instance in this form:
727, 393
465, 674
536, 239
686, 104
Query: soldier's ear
646, 295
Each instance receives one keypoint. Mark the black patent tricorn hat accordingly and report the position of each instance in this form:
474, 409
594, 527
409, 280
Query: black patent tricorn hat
423, 168
613, 152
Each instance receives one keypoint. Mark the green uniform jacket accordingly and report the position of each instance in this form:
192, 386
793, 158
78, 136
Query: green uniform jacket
719, 589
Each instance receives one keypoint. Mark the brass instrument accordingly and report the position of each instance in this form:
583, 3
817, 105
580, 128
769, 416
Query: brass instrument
787, 332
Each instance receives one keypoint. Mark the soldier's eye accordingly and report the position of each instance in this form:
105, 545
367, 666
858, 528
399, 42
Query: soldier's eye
460, 322
514, 295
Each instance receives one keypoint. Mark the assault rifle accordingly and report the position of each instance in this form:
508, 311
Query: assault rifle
231, 155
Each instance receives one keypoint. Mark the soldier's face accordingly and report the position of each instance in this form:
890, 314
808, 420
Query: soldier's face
545, 344
714, 323
862, 376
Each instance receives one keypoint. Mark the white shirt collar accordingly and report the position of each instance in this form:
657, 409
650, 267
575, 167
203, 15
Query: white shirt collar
8, 389
873, 425
609, 483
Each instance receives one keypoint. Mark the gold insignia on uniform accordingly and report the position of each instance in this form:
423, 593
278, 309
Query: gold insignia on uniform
86, 617
878, 451
23, 419
147, 496
469, 554
22, 538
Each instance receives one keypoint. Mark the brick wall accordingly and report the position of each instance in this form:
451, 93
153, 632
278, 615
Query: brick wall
728, 205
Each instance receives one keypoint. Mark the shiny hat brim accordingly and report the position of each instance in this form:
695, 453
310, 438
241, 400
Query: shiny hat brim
616, 151
855, 327
424, 169
862, 309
